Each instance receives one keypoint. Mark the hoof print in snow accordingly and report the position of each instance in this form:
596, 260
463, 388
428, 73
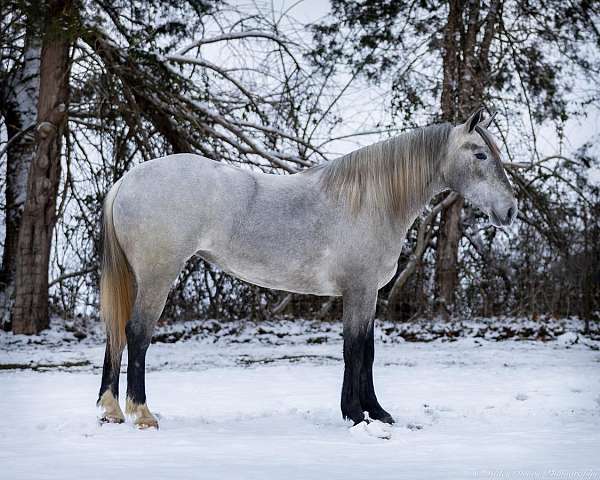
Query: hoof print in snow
414, 426
372, 428
521, 397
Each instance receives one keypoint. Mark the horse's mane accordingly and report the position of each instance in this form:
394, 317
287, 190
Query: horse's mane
392, 175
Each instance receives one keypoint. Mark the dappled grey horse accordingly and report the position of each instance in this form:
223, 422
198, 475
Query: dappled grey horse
336, 229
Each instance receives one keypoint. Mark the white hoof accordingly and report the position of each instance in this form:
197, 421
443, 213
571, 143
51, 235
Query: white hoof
140, 415
110, 411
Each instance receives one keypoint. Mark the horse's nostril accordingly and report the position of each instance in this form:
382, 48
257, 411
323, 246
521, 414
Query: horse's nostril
511, 213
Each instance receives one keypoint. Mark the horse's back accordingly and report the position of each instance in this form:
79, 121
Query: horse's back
161, 204
187, 187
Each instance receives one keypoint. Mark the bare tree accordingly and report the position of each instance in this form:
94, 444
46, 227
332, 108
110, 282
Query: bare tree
19, 90
30, 312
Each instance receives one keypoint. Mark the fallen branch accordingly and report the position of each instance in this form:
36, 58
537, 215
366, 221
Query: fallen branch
280, 307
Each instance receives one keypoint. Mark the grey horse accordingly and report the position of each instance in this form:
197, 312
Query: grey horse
336, 229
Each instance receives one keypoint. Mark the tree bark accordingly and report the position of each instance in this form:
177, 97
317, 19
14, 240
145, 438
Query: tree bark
30, 312
19, 109
450, 60
448, 240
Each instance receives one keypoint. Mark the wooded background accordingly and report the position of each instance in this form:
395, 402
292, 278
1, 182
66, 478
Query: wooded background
88, 89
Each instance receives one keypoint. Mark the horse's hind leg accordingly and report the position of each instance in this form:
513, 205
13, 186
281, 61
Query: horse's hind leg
152, 291
108, 398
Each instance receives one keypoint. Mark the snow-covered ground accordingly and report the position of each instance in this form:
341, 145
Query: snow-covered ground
261, 402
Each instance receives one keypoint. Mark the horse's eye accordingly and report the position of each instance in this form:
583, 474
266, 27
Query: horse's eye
481, 156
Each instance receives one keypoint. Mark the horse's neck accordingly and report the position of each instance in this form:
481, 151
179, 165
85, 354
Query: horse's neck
435, 187
394, 179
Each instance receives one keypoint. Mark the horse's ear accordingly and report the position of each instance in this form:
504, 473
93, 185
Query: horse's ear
490, 120
474, 120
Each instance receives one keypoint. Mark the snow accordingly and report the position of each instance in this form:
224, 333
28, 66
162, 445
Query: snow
259, 401
372, 428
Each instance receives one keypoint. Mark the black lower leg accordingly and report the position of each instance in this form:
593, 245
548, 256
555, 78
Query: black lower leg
368, 399
353, 358
138, 340
110, 374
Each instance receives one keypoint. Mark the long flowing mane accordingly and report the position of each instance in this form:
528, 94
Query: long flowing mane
392, 175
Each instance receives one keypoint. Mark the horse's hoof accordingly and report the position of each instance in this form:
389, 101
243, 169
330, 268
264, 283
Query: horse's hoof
387, 418
110, 419
141, 415
110, 411
382, 416
146, 422
379, 429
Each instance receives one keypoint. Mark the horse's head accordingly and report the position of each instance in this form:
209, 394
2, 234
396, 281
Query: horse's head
474, 169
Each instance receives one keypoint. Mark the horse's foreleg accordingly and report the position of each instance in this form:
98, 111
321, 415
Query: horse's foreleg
108, 398
359, 310
368, 399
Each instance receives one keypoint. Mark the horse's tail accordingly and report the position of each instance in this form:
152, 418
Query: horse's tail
116, 283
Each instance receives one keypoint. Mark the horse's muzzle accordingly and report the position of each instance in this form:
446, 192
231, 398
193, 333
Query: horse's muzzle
503, 220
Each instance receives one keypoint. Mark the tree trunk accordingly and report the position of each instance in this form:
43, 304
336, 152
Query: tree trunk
19, 111
446, 268
449, 236
30, 312
466, 69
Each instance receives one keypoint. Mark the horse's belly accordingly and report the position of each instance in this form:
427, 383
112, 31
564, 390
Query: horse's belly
305, 279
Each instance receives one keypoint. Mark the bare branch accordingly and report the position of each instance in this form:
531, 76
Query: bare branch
15, 137
239, 35
66, 276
